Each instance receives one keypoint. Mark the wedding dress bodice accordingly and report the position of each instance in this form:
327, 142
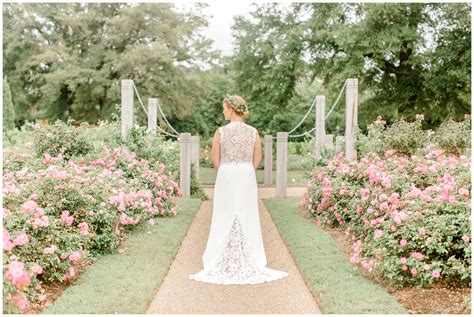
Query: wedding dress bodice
237, 142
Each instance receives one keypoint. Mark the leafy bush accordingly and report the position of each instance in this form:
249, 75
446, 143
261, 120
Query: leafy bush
454, 137
60, 138
407, 138
70, 211
374, 141
408, 218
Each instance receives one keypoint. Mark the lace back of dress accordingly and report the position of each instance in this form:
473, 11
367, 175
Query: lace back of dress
237, 142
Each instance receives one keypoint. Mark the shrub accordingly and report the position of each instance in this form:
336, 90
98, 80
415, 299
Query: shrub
408, 218
70, 211
454, 137
60, 138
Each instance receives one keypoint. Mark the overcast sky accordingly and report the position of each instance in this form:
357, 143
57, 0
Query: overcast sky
221, 17
221, 21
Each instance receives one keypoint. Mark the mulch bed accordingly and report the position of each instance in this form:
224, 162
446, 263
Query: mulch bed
431, 300
54, 290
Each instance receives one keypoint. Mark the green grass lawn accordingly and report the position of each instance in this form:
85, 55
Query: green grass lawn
207, 176
338, 285
126, 283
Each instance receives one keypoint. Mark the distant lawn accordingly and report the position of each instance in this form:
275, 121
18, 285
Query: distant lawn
338, 285
126, 283
207, 176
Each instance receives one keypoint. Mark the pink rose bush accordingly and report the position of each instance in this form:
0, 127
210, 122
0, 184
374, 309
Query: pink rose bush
408, 217
59, 213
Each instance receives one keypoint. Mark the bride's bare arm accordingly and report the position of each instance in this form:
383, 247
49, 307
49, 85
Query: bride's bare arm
257, 151
216, 149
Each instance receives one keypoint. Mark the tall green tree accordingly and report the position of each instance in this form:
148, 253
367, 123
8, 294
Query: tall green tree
8, 112
67, 60
386, 46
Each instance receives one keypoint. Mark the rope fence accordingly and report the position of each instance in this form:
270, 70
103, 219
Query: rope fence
162, 114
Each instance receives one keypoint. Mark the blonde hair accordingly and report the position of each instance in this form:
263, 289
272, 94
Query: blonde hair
238, 110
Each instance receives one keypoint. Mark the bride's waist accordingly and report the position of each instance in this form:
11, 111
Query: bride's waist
236, 163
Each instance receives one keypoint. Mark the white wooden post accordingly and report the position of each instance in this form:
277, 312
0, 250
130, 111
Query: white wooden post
351, 118
329, 141
281, 164
268, 168
339, 143
185, 164
127, 108
320, 127
195, 153
152, 115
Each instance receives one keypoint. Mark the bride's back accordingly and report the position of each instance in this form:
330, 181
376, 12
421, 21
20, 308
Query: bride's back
237, 142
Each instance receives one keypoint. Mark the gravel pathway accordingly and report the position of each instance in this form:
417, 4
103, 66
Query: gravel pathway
179, 294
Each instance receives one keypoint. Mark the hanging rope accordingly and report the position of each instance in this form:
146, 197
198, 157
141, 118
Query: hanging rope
337, 99
305, 133
164, 117
146, 112
325, 118
307, 113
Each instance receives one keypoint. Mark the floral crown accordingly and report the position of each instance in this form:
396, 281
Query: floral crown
236, 104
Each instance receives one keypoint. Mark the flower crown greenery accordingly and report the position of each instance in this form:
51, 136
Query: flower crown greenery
236, 104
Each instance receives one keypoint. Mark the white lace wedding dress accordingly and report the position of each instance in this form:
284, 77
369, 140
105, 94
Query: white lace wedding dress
235, 253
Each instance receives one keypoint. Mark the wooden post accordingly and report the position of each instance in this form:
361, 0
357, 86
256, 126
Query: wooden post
185, 164
281, 164
351, 118
329, 141
127, 108
339, 143
152, 115
320, 128
268, 168
195, 153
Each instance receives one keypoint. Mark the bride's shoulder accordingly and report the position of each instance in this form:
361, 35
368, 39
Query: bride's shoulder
252, 127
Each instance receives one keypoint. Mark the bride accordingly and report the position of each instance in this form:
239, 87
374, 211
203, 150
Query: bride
235, 253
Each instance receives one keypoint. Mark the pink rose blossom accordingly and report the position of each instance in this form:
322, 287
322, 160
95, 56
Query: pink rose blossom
22, 239
66, 218
8, 245
29, 205
403, 260
19, 301
436, 274
383, 206
75, 257
50, 250
421, 231
465, 238
17, 275
378, 234
84, 228
38, 269
463, 191
403, 242
413, 271
417, 255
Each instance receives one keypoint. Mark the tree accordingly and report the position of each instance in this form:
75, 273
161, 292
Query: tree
385, 46
8, 112
67, 60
